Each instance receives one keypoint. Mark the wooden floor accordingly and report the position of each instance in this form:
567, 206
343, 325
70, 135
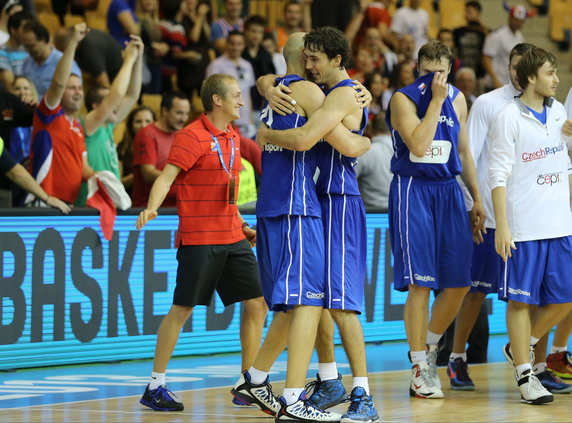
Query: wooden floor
495, 400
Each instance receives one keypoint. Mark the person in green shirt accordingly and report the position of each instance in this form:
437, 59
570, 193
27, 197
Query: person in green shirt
108, 106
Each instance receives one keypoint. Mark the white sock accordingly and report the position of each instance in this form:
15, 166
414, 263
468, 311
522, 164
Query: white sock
523, 368
534, 341
454, 356
291, 395
418, 356
539, 368
433, 338
361, 382
257, 377
555, 350
157, 379
328, 371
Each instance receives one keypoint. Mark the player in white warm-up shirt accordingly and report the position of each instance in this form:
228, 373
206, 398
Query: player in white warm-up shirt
528, 176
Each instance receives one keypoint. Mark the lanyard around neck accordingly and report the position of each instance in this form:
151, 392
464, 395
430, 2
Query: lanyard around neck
220, 156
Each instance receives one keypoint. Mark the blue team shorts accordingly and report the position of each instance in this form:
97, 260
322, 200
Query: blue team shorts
538, 272
290, 251
431, 237
487, 265
345, 242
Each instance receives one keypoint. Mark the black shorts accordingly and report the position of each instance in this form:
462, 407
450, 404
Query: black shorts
229, 269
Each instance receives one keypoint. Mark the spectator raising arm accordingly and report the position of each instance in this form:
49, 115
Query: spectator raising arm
124, 90
55, 92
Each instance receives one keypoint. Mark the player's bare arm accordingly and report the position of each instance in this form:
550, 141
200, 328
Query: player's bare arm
418, 134
337, 106
469, 172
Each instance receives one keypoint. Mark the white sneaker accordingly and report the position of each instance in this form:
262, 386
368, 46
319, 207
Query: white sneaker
303, 411
531, 390
432, 352
261, 396
422, 383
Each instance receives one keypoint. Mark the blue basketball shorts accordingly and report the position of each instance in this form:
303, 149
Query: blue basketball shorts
290, 251
487, 265
345, 242
538, 272
431, 237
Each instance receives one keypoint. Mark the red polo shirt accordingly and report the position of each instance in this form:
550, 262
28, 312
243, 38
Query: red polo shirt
205, 215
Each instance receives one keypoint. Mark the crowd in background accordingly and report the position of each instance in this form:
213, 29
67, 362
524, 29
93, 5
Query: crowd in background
183, 41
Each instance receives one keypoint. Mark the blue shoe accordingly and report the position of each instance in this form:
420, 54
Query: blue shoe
458, 372
553, 383
361, 408
326, 393
161, 399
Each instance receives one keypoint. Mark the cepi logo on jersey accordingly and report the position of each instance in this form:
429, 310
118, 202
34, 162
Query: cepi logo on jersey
447, 120
549, 179
543, 152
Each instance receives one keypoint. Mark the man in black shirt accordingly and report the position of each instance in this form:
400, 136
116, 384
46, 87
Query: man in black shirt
469, 39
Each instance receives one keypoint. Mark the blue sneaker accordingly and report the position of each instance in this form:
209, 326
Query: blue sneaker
458, 372
326, 393
161, 399
361, 408
553, 383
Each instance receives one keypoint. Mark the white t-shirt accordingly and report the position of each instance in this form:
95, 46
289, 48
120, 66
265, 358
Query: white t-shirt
481, 117
498, 45
568, 104
531, 160
411, 21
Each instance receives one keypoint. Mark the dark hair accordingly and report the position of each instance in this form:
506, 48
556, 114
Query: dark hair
38, 29
519, 50
15, 20
434, 51
331, 41
475, 5
290, 3
94, 95
214, 84
254, 20
530, 62
443, 31
169, 97
235, 32
395, 81
170, 8
126, 143
269, 35
379, 125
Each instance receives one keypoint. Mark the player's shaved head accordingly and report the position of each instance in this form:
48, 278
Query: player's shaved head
293, 49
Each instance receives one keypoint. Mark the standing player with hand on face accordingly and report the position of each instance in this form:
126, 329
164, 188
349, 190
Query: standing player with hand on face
431, 233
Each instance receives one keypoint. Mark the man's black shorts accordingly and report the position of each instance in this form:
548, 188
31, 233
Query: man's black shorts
229, 269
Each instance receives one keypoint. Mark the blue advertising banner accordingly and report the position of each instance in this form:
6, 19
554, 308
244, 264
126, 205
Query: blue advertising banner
69, 296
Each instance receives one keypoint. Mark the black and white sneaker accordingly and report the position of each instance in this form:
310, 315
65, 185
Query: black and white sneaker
531, 390
261, 396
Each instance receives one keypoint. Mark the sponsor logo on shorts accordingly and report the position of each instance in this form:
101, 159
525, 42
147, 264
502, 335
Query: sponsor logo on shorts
542, 153
269, 148
315, 295
447, 121
549, 178
476, 284
518, 292
423, 278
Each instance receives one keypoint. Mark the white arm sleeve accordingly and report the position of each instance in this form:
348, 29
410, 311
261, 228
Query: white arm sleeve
502, 155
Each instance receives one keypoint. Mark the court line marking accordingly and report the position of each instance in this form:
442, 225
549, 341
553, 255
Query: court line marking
206, 389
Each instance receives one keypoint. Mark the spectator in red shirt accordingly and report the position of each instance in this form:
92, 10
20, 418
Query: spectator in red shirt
213, 253
58, 158
152, 144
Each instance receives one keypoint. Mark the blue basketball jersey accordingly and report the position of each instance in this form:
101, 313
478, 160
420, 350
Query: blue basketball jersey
441, 160
337, 172
287, 186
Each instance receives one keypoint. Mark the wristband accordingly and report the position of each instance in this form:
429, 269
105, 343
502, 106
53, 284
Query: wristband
245, 225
